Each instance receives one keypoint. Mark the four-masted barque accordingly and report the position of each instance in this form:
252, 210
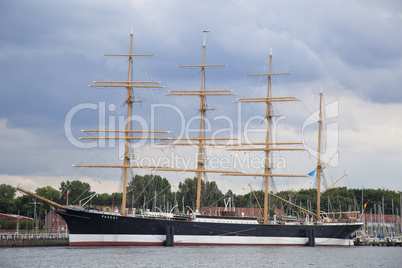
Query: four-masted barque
90, 227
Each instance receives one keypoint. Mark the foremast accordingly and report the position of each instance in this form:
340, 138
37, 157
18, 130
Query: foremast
129, 85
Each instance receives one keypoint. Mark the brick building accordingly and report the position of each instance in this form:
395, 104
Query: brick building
55, 223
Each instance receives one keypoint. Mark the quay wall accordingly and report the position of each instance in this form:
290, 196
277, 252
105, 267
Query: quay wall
33, 241
378, 242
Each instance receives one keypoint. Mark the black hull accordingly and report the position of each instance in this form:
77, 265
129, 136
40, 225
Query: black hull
97, 228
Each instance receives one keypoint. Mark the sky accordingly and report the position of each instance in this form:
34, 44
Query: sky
50, 51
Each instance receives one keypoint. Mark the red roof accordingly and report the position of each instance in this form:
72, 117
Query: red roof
14, 217
379, 218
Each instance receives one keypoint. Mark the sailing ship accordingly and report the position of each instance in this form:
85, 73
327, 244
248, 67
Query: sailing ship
91, 227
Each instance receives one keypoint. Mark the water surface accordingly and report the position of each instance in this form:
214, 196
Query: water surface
201, 256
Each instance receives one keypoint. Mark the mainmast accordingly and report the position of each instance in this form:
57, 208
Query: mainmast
201, 141
129, 86
268, 145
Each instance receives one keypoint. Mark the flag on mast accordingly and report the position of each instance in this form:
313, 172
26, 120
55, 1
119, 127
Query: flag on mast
68, 191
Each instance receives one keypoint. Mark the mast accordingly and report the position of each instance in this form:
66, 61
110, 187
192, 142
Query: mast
128, 128
129, 86
127, 141
267, 168
319, 168
201, 141
200, 163
267, 146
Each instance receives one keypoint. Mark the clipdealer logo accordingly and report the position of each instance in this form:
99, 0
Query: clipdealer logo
246, 128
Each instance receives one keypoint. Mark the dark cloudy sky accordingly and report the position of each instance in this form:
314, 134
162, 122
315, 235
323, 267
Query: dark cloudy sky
51, 50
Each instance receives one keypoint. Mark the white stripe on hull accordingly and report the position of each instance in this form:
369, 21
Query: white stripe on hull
88, 240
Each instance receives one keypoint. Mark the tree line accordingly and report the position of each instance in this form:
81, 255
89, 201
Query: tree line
155, 193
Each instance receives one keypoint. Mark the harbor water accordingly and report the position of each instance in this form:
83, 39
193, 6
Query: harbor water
202, 256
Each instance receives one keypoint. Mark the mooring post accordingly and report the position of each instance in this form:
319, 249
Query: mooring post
311, 238
169, 242
172, 235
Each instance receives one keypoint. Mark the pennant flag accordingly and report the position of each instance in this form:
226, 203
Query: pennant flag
311, 173
67, 194
365, 205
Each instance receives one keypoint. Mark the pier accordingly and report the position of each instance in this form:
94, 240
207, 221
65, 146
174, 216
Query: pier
34, 240
382, 242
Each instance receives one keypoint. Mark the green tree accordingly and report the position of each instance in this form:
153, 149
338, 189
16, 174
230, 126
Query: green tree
7, 202
103, 200
7, 192
25, 206
49, 193
149, 191
77, 190
210, 194
116, 199
188, 191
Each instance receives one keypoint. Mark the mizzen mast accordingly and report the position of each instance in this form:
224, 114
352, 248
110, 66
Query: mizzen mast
129, 85
319, 167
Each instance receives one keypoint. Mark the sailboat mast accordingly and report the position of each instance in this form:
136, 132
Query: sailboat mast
267, 140
127, 145
319, 168
200, 163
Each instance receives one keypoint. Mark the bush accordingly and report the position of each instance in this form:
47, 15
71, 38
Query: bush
8, 224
